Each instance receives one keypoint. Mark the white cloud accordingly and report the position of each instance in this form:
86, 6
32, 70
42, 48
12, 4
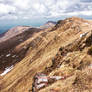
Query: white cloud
22, 4
4, 9
88, 13
9, 17
44, 8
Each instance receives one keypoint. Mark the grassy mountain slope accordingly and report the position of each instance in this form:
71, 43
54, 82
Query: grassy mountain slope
61, 50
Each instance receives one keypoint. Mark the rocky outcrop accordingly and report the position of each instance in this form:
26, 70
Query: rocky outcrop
42, 80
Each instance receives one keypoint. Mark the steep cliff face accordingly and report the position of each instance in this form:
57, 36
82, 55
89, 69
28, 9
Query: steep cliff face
64, 50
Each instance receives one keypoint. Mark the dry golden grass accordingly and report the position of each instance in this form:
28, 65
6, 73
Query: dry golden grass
40, 56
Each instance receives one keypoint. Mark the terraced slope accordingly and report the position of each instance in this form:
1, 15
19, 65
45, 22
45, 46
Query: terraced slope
62, 50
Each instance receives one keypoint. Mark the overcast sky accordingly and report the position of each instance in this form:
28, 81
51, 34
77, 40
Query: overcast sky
38, 10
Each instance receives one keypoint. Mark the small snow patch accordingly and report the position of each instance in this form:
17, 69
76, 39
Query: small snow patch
8, 69
86, 23
8, 55
57, 77
84, 34
14, 56
43, 79
40, 85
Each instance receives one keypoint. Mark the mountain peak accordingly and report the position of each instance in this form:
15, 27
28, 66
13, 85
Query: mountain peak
69, 22
48, 25
53, 22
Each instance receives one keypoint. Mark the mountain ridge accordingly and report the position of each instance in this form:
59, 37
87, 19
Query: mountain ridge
19, 29
60, 50
13, 32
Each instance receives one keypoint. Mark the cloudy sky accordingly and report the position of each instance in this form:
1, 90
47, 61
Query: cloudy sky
36, 12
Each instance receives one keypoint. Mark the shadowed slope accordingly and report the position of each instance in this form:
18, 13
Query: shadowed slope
8, 55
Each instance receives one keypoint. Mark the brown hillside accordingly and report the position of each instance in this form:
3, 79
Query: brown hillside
13, 32
64, 50
8, 55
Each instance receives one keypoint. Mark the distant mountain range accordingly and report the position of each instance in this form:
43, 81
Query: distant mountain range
20, 29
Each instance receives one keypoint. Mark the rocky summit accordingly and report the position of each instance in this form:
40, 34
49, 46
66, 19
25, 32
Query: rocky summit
55, 59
